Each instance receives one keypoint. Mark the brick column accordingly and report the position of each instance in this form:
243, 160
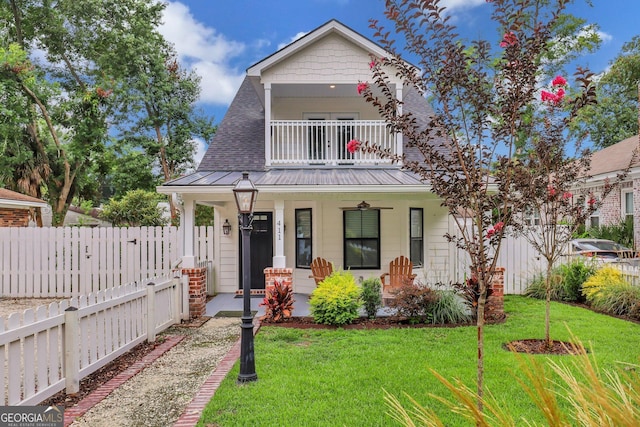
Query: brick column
197, 291
284, 275
494, 309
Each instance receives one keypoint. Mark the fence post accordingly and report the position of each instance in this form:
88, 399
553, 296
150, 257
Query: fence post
177, 294
185, 297
151, 312
71, 357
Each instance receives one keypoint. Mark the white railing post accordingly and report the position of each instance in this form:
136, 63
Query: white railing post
71, 357
151, 312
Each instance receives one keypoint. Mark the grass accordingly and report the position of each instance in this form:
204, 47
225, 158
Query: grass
338, 377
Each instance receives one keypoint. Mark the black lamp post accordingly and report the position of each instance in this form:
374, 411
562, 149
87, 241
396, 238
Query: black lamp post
245, 194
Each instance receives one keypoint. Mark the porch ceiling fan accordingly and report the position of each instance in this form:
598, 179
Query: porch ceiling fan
364, 206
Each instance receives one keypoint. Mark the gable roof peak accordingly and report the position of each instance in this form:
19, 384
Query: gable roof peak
329, 27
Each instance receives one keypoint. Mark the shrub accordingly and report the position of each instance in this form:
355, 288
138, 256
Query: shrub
371, 296
573, 275
336, 299
606, 276
278, 302
415, 302
450, 308
620, 299
537, 288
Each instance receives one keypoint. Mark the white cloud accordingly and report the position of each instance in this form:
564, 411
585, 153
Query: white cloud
461, 4
201, 48
292, 39
201, 148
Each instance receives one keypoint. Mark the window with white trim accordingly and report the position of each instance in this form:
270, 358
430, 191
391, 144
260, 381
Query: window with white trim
362, 239
303, 238
416, 236
627, 204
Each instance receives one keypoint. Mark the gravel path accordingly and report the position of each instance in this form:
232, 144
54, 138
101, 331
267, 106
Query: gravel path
160, 393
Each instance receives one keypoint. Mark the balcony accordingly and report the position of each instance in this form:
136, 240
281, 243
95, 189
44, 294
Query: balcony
324, 142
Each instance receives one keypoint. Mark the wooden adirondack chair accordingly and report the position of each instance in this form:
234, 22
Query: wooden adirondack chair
320, 269
400, 274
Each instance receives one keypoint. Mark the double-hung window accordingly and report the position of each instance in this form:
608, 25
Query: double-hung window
303, 238
627, 206
416, 237
362, 239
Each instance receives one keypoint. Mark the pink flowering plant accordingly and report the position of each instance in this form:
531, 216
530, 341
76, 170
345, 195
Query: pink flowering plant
473, 149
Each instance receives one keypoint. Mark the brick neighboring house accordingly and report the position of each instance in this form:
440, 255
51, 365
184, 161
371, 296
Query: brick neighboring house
622, 202
16, 208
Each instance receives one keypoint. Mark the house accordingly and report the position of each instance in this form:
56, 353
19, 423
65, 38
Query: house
622, 202
16, 209
288, 126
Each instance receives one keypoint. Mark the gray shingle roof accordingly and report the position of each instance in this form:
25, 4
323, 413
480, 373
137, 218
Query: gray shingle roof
238, 143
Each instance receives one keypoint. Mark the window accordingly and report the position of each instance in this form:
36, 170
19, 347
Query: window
303, 238
362, 239
416, 249
594, 219
627, 207
532, 217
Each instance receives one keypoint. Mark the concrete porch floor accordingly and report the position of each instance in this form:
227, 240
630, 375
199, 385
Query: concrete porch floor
229, 302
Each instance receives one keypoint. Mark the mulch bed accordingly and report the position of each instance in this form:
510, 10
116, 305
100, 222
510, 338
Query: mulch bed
538, 346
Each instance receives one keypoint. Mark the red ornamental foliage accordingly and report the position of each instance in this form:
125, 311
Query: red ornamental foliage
103, 93
278, 302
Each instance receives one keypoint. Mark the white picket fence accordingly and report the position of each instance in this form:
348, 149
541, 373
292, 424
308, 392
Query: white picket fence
51, 348
62, 262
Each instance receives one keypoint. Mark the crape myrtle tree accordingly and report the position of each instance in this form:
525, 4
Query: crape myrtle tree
551, 182
482, 92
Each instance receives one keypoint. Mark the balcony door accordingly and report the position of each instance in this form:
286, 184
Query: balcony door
330, 142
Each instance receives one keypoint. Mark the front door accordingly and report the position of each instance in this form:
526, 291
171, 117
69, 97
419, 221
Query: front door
261, 248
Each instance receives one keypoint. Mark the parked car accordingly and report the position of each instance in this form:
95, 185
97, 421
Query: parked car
604, 250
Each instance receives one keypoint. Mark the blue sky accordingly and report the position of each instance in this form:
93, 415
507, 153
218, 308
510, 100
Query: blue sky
220, 39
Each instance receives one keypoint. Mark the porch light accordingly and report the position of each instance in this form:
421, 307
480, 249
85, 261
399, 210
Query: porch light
226, 227
246, 194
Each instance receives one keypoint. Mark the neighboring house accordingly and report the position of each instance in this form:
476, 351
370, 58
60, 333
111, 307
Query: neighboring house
622, 202
288, 126
16, 209
78, 217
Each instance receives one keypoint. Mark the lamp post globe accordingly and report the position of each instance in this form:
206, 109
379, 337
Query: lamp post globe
245, 194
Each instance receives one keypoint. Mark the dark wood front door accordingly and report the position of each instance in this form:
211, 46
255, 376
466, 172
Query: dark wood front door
261, 248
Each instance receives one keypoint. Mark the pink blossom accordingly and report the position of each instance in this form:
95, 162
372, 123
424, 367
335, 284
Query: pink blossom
567, 195
509, 39
491, 232
559, 81
353, 146
362, 86
591, 201
372, 64
547, 96
499, 226
551, 190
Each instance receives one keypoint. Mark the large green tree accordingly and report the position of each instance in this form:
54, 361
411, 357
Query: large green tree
615, 116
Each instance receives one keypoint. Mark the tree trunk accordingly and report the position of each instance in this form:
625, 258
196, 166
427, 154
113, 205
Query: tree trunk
482, 299
547, 312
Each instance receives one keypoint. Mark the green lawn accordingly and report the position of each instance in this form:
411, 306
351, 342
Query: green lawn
337, 377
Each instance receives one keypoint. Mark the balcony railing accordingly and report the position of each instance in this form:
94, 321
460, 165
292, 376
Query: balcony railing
324, 142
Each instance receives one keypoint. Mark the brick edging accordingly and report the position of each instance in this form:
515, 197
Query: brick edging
97, 395
191, 415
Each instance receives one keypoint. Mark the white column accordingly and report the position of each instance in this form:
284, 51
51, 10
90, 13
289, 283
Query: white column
279, 260
187, 222
267, 124
399, 145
